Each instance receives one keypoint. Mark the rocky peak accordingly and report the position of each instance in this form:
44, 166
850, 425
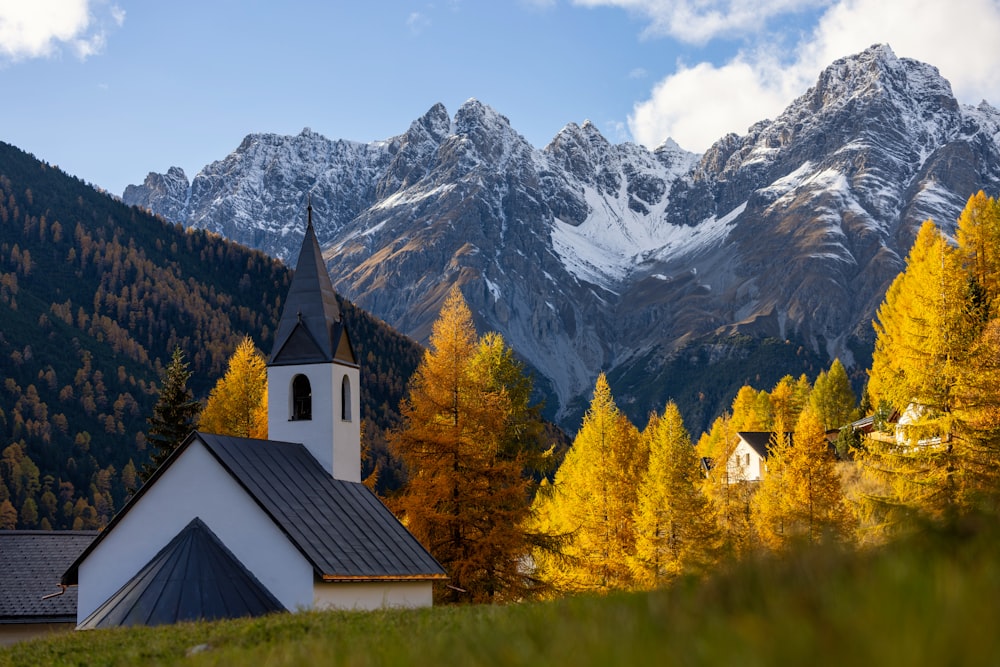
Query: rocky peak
165, 194
589, 256
415, 151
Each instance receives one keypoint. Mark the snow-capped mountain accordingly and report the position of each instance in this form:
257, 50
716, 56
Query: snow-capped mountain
591, 256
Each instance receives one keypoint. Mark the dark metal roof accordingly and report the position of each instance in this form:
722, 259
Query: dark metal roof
31, 564
760, 441
310, 329
195, 577
340, 527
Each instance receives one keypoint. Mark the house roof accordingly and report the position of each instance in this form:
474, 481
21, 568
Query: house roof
311, 329
341, 528
759, 441
195, 577
31, 564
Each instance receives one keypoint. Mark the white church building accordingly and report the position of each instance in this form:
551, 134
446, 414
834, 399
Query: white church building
231, 527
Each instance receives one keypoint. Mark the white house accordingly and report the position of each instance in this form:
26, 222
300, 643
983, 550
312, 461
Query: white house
230, 527
748, 462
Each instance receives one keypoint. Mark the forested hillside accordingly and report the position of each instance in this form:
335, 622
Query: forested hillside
94, 296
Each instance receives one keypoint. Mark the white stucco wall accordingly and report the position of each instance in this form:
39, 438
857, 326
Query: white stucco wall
340, 454
372, 595
740, 469
195, 485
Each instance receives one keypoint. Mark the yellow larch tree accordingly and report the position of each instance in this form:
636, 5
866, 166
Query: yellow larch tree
675, 524
832, 397
468, 441
817, 509
237, 405
921, 347
592, 501
770, 507
730, 496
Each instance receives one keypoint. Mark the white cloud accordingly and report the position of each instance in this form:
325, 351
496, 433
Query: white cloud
699, 21
40, 28
698, 105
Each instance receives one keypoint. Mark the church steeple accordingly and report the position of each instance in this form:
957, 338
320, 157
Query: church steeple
311, 329
312, 377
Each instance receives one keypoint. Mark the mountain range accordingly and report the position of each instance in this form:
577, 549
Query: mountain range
681, 275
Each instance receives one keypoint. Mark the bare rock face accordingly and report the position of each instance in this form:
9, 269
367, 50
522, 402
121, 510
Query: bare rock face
164, 194
590, 256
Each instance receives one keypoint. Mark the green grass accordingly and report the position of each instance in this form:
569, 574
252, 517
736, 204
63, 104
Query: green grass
931, 600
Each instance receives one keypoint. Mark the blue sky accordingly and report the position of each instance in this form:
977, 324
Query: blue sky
111, 89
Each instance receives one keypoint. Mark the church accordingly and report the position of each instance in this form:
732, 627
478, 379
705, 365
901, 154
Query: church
229, 527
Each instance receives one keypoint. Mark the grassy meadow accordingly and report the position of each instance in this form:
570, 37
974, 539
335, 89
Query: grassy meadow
933, 599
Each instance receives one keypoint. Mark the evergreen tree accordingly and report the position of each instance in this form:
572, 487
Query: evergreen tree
468, 440
175, 414
237, 405
592, 502
676, 528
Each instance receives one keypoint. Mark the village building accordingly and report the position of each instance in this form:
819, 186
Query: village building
230, 527
32, 561
748, 462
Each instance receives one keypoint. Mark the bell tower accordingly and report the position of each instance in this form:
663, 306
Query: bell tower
312, 375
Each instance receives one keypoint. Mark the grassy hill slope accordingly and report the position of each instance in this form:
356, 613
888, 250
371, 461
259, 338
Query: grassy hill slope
928, 600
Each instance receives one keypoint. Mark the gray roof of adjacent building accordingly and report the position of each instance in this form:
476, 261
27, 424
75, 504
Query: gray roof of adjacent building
31, 565
194, 577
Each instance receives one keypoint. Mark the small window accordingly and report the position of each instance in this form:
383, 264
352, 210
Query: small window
345, 399
301, 398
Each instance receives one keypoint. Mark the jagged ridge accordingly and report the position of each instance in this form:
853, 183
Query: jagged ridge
591, 256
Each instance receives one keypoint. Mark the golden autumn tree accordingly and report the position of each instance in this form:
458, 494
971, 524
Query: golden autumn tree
592, 502
977, 386
788, 397
751, 410
676, 530
815, 497
771, 506
729, 493
468, 441
936, 363
237, 405
920, 348
832, 398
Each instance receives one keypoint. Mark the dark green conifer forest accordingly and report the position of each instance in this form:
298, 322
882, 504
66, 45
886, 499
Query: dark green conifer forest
94, 298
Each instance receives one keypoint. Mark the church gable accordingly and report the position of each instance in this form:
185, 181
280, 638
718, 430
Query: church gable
194, 577
345, 351
300, 346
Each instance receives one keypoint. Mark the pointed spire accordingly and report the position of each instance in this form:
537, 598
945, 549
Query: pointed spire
310, 328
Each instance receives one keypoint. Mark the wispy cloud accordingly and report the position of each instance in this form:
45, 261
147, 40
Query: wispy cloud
699, 103
43, 28
417, 22
700, 21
